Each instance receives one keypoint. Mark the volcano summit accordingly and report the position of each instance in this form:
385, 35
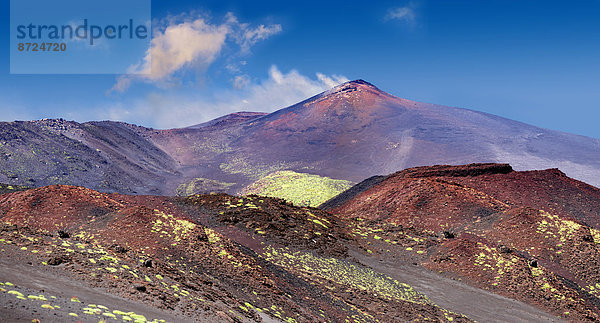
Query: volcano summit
350, 132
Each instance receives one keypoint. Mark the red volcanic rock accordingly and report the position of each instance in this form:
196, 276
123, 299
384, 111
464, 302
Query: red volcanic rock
56, 207
455, 195
191, 257
532, 235
426, 197
550, 190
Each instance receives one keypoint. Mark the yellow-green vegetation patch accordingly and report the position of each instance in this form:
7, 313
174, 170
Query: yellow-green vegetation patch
11, 188
167, 224
16, 293
553, 226
390, 234
37, 297
490, 259
212, 235
179, 228
302, 189
596, 235
345, 273
540, 276
593, 289
317, 220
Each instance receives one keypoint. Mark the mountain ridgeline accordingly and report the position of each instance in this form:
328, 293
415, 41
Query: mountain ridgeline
350, 132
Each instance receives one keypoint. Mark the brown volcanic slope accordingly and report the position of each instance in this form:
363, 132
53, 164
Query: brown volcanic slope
356, 130
533, 236
73, 254
350, 132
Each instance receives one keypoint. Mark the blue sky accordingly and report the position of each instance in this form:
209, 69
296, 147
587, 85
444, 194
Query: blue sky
532, 61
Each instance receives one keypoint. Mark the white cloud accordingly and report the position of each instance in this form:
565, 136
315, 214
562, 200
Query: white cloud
241, 81
190, 43
254, 35
279, 90
406, 14
284, 89
331, 81
246, 36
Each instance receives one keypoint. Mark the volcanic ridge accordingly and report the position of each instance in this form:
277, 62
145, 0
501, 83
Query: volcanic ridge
391, 248
351, 132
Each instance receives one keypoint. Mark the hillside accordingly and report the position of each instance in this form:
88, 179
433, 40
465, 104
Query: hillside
444, 243
73, 254
351, 132
532, 236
